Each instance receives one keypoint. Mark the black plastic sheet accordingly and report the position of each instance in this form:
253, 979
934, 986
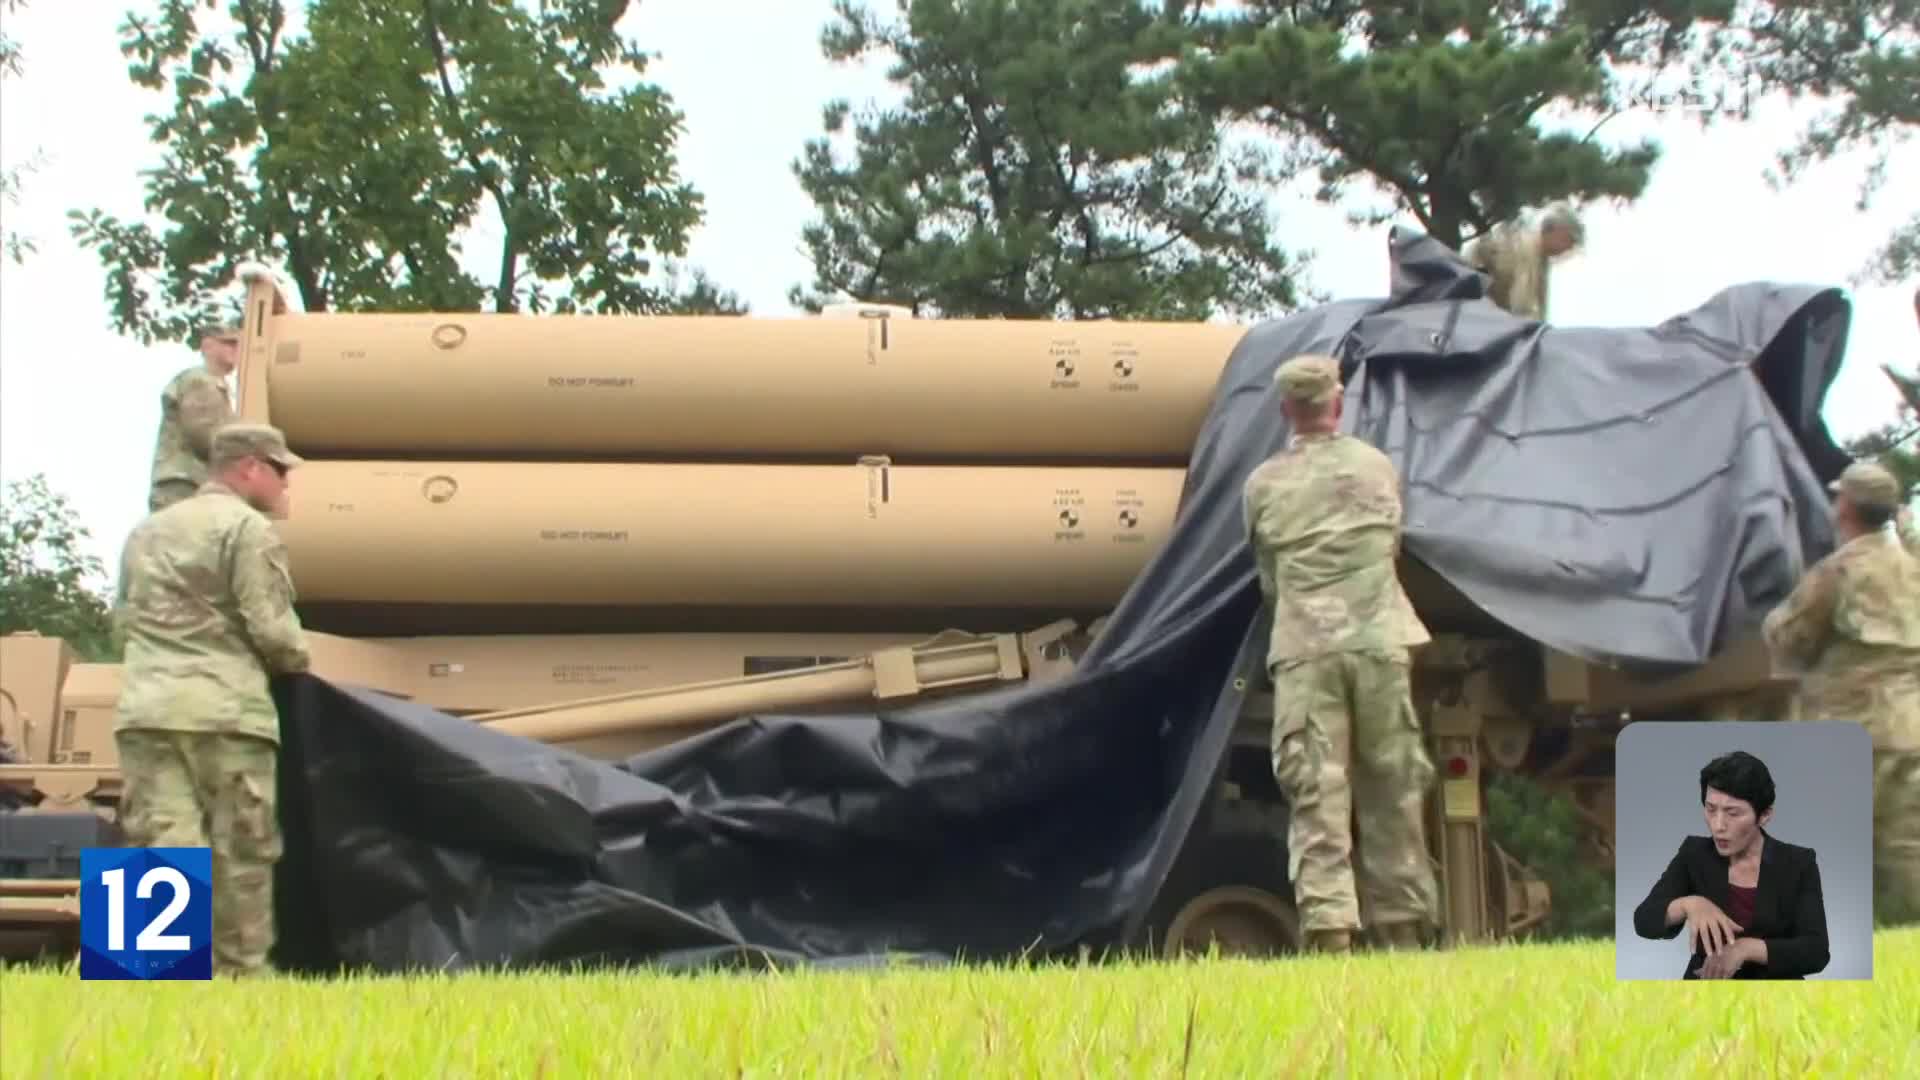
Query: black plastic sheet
1626, 495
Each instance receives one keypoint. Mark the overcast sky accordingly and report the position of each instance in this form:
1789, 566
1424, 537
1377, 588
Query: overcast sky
80, 403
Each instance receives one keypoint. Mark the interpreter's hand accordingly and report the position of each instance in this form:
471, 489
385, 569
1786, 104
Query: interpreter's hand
1708, 928
1723, 964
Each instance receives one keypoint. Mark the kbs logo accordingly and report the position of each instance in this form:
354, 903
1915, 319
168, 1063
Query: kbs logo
146, 913
1695, 92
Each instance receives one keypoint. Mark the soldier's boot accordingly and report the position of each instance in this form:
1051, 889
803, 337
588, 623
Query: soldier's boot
1329, 941
1401, 935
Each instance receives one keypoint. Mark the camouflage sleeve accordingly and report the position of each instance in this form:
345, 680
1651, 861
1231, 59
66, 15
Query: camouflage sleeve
1390, 495
1250, 514
203, 408
117, 617
1527, 301
263, 588
1476, 254
1798, 629
1909, 532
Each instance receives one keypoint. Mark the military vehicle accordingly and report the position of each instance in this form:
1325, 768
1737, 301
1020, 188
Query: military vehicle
831, 510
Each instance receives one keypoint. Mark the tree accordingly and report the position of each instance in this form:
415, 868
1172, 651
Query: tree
18, 245
1439, 103
1864, 57
46, 575
1896, 446
702, 295
359, 155
1031, 172
1542, 829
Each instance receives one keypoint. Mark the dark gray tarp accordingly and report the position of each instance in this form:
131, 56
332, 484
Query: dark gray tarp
1627, 495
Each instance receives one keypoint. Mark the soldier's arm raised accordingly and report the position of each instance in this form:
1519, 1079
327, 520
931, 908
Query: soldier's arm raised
1909, 532
1798, 629
263, 590
203, 408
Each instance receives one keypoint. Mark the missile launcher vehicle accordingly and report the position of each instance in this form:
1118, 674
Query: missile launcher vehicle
609, 532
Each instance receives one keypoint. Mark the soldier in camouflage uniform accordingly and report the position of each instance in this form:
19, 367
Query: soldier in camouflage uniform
1851, 631
1348, 751
205, 608
1519, 258
194, 403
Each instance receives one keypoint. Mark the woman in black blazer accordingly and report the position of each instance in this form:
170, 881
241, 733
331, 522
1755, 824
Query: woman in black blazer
1751, 903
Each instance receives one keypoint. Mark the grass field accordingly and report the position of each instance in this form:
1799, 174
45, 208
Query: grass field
1538, 1011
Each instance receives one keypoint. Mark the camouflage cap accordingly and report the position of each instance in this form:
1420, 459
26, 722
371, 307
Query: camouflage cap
1311, 378
1868, 486
235, 442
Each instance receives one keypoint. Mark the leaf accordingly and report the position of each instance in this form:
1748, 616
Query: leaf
46, 575
1034, 170
361, 155
1437, 106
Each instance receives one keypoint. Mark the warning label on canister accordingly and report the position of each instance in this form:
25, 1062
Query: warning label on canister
1122, 378
594, 674
1069, 514
1129, 507
1064, 354
616, 536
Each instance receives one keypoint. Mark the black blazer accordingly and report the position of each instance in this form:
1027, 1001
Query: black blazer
1789, 911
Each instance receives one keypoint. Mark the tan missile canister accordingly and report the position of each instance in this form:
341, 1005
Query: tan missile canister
359, 385
868, 534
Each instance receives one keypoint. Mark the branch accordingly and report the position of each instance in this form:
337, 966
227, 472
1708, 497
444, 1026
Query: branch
1180, 232
1909, 389
1089, 233
1363, 162
261, 41
464, 136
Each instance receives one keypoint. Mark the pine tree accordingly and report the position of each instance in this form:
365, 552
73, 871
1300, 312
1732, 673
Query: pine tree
1438, 104
1034, 171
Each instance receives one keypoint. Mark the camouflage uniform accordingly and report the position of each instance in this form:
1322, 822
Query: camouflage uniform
1511, 254
1851, 631
205, 608
194, 403
1348, 750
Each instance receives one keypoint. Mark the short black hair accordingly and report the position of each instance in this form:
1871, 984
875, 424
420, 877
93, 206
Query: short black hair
1742, 776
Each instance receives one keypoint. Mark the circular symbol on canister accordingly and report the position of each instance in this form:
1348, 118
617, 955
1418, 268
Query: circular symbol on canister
1129, 517
439, 489
1069, 519
448, 335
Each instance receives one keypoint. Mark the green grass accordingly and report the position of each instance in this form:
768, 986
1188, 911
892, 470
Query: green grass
1534, 1011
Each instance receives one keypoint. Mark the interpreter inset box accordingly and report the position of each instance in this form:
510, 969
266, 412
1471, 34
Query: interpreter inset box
1743, 850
